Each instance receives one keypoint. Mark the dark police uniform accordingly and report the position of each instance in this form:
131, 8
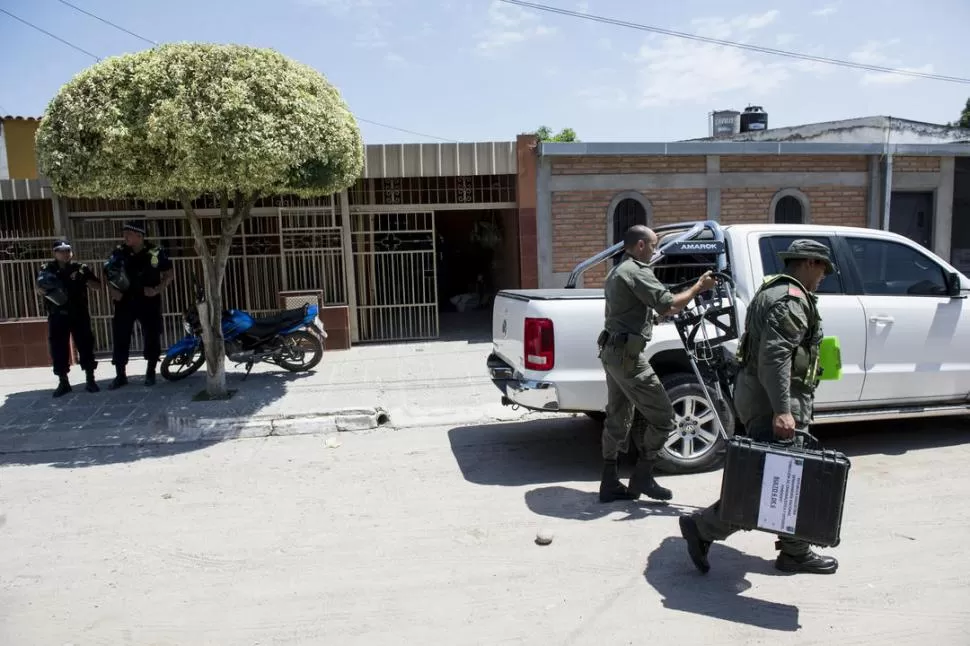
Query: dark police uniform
778, 355
69, 319
143, 269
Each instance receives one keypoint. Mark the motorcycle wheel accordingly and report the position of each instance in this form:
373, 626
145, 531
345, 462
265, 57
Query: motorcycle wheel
183, 364
308, 347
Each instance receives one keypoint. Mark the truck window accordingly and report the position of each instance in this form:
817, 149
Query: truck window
770, 246
892, 269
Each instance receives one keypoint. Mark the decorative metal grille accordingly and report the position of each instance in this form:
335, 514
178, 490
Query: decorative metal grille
293, 249
395, 270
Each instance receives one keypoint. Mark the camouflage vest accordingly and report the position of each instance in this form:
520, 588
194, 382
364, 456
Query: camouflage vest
805, 369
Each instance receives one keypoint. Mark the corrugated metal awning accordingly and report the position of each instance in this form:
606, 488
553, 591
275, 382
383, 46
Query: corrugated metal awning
25, 189
440, 159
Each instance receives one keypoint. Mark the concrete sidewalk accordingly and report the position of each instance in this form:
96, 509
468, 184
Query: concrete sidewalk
393, 386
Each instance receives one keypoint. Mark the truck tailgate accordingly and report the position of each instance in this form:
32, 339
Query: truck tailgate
508, 325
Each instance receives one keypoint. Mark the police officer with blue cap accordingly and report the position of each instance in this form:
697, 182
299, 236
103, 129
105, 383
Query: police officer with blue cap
137, 273
64, 283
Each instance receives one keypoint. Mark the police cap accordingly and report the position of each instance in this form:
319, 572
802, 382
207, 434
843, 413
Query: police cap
62, 245
804, 249
135, 225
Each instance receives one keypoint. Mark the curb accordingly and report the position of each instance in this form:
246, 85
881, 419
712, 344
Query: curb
182, 430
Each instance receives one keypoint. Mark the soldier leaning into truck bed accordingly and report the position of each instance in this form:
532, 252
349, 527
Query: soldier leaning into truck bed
775, 390
631, 292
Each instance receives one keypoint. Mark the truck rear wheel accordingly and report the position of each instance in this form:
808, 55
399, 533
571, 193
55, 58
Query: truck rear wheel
695, 445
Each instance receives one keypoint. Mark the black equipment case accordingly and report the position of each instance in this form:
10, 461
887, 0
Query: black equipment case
785, 490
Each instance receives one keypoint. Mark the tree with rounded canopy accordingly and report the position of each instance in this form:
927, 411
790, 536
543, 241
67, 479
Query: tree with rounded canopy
186, 120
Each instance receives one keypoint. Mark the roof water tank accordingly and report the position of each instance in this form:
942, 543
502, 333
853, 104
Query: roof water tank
724, 123
754, 118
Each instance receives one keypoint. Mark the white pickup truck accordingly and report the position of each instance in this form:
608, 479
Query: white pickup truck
900, 313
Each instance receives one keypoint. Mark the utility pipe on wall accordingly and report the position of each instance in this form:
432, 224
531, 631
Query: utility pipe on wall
888, 189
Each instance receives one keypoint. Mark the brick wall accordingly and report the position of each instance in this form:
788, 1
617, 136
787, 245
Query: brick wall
579, 223
794, 163
838, 205
915, 164
628, 165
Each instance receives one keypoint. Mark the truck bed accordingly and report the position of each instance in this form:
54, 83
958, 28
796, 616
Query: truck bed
561, 294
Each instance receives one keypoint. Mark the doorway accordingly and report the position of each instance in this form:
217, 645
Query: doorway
478, 253
911, 215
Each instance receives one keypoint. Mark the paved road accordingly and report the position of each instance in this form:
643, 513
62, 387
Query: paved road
425, 536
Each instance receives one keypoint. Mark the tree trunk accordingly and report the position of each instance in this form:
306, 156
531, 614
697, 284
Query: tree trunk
214, 274
210, 314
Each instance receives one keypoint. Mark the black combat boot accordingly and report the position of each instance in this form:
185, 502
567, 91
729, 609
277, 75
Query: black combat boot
697, 547
121, 379
643, 482
807, 563
63, 386
150, 374
610, 486
91, 385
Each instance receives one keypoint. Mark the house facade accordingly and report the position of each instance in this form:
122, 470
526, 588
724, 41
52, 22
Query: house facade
589, 193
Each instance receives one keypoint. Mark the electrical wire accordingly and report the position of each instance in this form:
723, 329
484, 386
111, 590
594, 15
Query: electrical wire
107, 22
730, 43
55, 37
98, 58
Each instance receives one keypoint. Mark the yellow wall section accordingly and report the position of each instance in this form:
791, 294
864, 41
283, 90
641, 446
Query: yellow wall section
18, 135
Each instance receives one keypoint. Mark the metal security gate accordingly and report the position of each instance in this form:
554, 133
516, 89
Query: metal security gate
276, 250
395, 270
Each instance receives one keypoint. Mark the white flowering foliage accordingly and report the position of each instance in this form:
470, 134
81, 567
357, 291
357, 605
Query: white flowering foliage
191, 119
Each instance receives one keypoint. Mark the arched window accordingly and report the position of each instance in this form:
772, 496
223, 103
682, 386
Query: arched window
626, 210
789, 206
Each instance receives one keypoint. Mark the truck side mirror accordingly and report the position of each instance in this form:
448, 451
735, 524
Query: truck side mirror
952, 284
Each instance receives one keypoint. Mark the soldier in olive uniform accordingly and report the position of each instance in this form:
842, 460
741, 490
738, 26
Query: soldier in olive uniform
632, 291
64, 283
775, 390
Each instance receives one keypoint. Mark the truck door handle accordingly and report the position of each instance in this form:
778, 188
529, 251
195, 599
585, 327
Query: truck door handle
881, 318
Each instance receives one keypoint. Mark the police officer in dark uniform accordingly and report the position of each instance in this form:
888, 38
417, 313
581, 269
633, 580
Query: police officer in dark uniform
137, 272
64, 283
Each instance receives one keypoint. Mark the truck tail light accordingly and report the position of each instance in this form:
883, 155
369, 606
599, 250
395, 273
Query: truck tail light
540, 344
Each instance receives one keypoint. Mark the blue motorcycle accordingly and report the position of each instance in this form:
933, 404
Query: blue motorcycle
292, 339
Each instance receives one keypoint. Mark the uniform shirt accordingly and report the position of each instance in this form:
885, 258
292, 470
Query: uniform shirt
144, 268
782, 324
74, 276
632, 291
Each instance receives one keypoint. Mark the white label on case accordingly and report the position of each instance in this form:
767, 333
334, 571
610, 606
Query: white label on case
780, 491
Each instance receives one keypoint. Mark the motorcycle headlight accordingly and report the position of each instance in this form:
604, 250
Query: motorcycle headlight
187, 327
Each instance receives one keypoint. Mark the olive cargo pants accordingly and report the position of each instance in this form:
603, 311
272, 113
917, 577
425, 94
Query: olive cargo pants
712, 528
632, 384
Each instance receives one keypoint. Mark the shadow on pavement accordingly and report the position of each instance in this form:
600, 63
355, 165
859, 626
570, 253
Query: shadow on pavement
894, 437
573, 504
554, 450
125, 425
99, 456
717, 594
536, 452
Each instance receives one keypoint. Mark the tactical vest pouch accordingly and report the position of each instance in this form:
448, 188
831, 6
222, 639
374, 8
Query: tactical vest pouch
784, 490
830, 359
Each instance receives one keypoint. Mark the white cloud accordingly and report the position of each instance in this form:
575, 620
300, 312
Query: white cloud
342, 7
604, 97
510, 25
582, 7
783, 39
371, 37
827, 10
395, 60
676, 70
874, 53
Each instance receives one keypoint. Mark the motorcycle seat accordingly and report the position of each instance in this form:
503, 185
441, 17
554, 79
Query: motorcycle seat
267, 325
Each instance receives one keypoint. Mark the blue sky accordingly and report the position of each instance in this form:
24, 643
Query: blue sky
481, 70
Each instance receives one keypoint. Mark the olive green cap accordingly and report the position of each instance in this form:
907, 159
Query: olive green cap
809, 250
